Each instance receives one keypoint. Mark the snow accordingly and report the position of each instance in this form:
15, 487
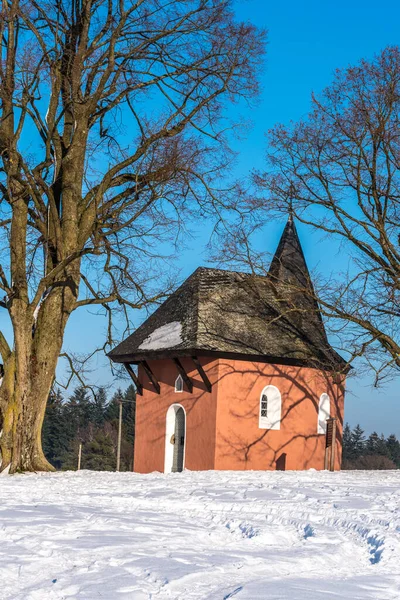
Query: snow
167, 336
36, 311
200, 535
39, 304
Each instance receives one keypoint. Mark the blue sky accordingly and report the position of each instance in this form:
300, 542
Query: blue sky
307, 41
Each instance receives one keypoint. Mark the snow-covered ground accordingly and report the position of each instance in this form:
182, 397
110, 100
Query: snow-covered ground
208, 535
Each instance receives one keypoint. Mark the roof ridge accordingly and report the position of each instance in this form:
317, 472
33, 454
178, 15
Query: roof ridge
234, 272
220, 310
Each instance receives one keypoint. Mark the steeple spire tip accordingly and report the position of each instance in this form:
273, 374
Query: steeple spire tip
291, 195
290, 218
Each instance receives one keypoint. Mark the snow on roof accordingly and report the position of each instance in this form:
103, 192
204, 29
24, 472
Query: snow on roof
166, 336
273, 316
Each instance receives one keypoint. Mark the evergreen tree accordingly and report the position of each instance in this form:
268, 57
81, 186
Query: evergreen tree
85, 407
393, 447
372, 443
55, 433
128, 423
112, 410
347, 443
78, 416
92, 422
358, 442
98, 454
381, 447
48, 426
128, 413
99, 407
69, 460
376, 452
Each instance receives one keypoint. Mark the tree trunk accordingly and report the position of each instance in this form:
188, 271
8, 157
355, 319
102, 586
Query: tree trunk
28, 377
22, 406
20, 444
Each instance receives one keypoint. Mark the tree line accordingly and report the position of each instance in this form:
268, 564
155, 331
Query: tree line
93, 422
373, 452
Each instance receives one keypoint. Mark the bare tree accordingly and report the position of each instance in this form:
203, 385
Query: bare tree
111, 138
338, 171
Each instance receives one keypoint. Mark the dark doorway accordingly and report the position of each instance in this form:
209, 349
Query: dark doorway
281, 462
179, 441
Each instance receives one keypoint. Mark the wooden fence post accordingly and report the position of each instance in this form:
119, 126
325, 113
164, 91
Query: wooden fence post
119, 436
330, 448
333, 445
326, 462
79, 457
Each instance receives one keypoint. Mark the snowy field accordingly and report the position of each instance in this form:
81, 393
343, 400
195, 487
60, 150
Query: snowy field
209, 535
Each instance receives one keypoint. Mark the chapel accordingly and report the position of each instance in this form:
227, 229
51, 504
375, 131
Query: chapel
235, 371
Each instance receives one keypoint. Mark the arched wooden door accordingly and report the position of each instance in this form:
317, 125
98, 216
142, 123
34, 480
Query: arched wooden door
179, 441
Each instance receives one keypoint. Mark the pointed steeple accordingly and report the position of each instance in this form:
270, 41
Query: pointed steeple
292, 282
217, 312
289, 265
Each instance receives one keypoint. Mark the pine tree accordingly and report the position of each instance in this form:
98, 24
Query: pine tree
128, 423
92, 422
393, 446
381, 447
69, 460
128, 413
99, 407
48, 425
112, 409
376, 452
372, 443
347, 443
98, 454
55, 434
85, 407
78, 416
358, 442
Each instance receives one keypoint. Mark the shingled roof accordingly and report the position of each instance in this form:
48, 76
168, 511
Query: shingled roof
273, 318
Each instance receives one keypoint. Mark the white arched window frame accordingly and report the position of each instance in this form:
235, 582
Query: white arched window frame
270, 408
324, 412
179, 384
169, 432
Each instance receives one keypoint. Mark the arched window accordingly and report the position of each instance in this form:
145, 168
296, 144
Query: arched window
179, 384
324, 412
270, 408
175, 434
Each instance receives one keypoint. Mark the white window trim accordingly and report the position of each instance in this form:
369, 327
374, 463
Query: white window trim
324, 412
274, 409
179, 378
169, 431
